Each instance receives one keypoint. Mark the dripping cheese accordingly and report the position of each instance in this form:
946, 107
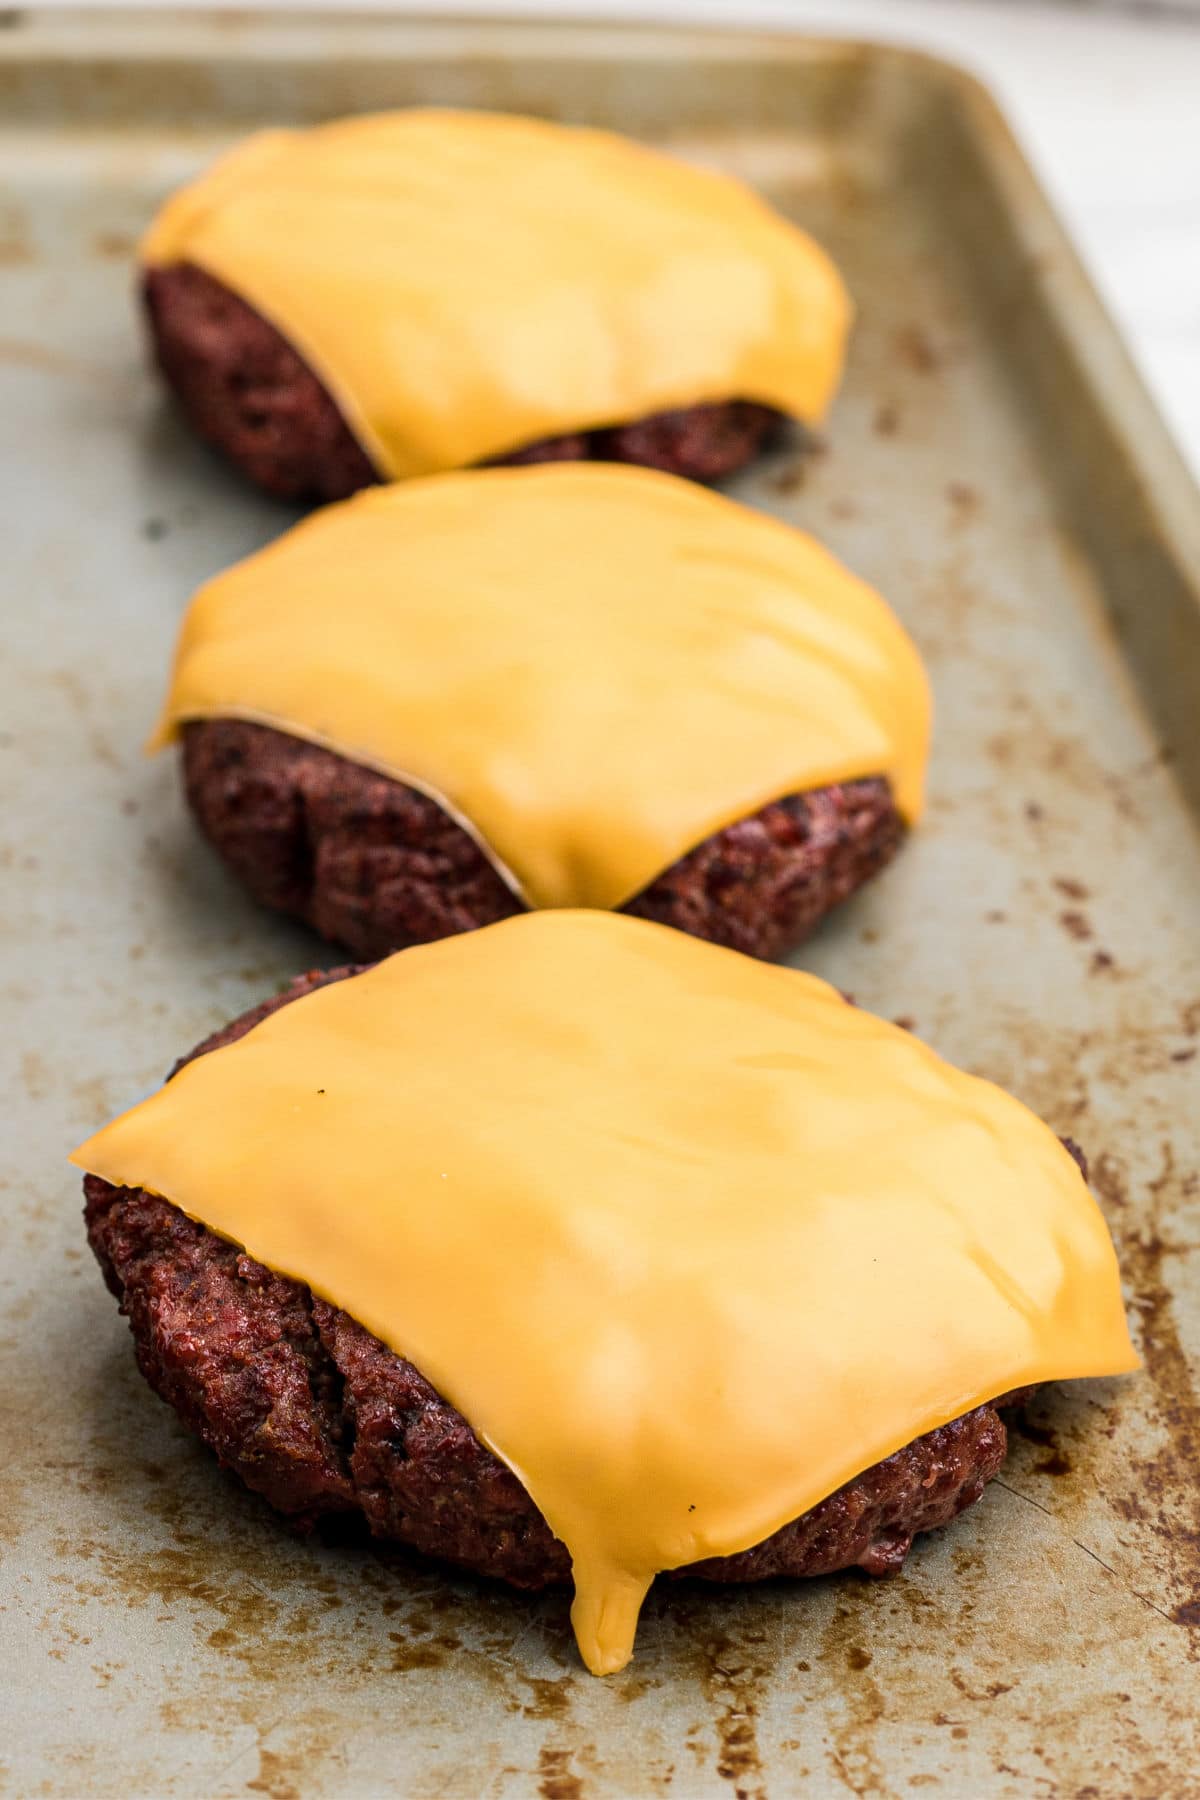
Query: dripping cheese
621, 1196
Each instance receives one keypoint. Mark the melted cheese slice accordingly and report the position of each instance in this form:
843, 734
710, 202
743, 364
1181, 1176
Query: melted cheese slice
466, 283
591, 667
688, 1239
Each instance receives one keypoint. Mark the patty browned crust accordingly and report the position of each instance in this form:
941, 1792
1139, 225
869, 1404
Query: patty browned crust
250, 395
373, 864
322, 1420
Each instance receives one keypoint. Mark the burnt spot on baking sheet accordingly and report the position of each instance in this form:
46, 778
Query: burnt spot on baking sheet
804, 447
1161, 1496
734, 1673
1057, 1463
113, 246
1053, 1459
727, 1651
855, 1745
16, 234
275, 1777
991, 1690
27, 353
790, 479
964, 502
1077, 925
1025, 1427
916, 350
556, 1779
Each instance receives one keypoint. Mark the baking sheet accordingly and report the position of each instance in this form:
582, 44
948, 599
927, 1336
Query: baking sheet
994, 466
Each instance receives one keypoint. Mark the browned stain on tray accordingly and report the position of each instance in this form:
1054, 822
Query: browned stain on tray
854, 1750
1162, 1493
275, 1777
113, 246
734, 1670
1076, 925
47, 359
916, 349
556, 1781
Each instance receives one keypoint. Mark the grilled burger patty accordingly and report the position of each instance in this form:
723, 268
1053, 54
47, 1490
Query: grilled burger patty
375, 865
321, 1419
250, 395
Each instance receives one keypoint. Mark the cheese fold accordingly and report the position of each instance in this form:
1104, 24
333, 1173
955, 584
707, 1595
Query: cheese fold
592, 667
465, 283
689, 1240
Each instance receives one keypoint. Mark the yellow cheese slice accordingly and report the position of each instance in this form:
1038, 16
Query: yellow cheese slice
592, 667
465, 283
687, 1239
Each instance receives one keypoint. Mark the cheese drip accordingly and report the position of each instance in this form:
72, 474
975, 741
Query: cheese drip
591, 667
688, 1239
466, 283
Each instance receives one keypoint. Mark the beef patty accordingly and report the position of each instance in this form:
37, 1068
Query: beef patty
375, 865
321, 1419
250, 395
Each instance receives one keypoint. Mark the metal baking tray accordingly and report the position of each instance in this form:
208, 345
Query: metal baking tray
996, 468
